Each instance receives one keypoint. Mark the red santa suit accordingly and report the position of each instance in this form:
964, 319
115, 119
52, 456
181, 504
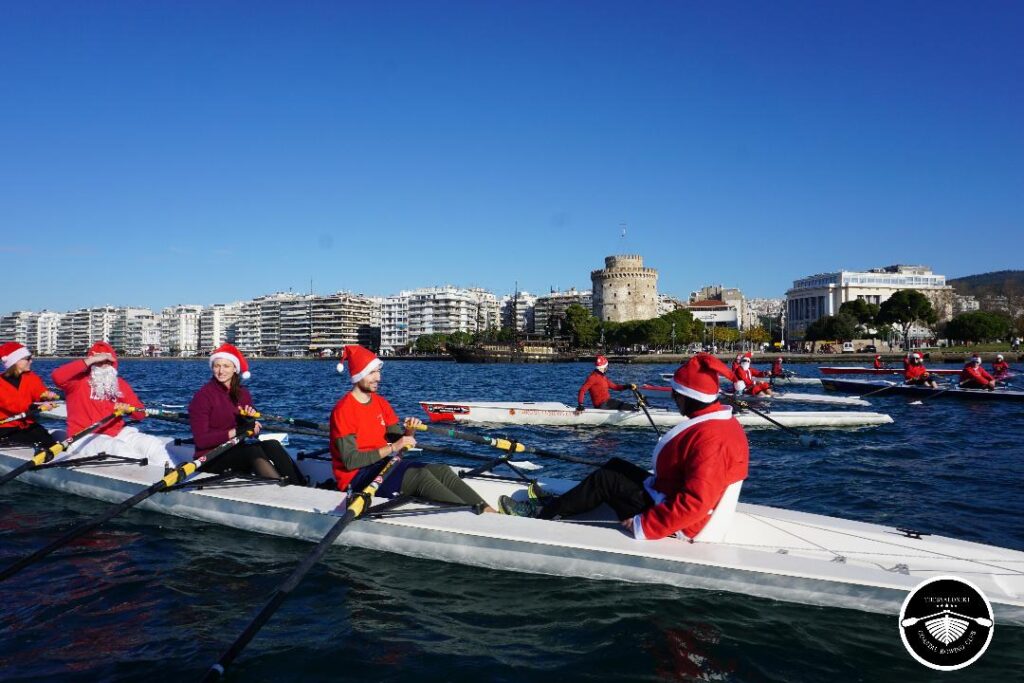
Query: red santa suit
915, 373
973, 375
696, 461
879, 365
747, 375
777, 370
17, 400
1000, 368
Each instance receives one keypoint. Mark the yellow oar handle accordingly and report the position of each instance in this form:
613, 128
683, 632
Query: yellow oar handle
506, 445
181, 472
359, 502
43, 457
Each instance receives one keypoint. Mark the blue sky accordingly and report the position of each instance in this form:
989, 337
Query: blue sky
194, 152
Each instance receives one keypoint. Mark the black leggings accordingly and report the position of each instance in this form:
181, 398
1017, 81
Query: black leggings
241, 457
34, 435
616, 404
618, 483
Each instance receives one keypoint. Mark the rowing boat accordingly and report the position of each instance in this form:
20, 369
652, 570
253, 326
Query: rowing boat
849, 370
862, 386
766, 552
559, 414
788, 380
787, 396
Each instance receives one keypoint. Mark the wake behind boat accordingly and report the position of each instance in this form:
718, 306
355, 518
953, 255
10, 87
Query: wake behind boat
862, 386
767, 552
553, 413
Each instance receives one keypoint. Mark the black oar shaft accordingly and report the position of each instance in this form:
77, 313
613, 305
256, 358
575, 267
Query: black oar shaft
643, 406
178, 474
356, 508
504, 444
45, 456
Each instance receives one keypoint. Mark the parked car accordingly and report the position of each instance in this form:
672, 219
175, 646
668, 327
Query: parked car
870, 348
847, 347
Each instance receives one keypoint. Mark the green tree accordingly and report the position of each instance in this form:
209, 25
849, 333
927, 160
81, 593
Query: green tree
903, 309
758, 335
581, 325
860, 310
431, 343
687, 328
831, 328
459, 339
979, 326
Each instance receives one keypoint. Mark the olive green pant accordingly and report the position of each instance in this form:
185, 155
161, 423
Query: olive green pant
440, 484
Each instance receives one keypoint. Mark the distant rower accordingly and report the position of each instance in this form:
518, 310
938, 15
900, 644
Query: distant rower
777, 370
1000, 368
599, 386
746, 374
973, 376
915, 373
879, 365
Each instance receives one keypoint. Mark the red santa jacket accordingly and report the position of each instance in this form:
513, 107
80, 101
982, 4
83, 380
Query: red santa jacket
879, 364
747, 377
915, 372
73, 379
777, 370
975, 373
1000, 367
18, 400
693, 465
598, 385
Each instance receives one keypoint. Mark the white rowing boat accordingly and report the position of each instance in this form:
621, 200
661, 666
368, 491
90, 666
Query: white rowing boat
777, 395
553, 413
766, 552
777, 381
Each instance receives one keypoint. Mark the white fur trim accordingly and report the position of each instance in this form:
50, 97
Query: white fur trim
224, 355
14, 356
738, 386
340, 367
638, 529
370, 367
693, 393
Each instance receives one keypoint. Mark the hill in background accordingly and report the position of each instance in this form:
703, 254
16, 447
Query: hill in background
1008, 283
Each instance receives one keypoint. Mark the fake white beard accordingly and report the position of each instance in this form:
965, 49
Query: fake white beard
103, 383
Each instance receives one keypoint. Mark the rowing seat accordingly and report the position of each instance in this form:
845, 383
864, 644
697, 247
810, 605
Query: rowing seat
721, 517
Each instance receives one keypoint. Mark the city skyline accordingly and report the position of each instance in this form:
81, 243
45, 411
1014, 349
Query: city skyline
166, 152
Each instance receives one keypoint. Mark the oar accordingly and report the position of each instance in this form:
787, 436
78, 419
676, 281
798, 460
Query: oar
309, 424
937, 393
36, 408
43, 457
356, 508
805, 439
173, 477
643, 406
504, 444
304, 427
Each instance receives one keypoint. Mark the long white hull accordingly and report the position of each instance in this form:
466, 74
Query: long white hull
553, 413
768, 552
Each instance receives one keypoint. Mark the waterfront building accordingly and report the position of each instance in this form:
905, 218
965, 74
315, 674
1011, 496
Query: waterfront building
179, 330
136, 332
218, 324
714, 313
521, 306
667, 304
443, 310
730, 296
321, 325
549, 309
394, 322
78, 330
45, 339
624, 289
259, 326
19, 326
816, 296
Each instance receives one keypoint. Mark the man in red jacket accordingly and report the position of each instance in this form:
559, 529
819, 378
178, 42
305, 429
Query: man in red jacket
915, 373
746, 374
694, 464
973, 376
598, 385
92, 391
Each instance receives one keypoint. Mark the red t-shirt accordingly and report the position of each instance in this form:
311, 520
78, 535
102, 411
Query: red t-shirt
14, 401
367, 421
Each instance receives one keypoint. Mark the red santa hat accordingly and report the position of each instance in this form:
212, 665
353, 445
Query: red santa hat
999, 356
102, 347
600, 362
361, 362
916, 355
11, 353
230, 352
698, 379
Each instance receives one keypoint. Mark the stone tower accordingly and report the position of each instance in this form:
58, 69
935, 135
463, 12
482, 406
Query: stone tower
624, 289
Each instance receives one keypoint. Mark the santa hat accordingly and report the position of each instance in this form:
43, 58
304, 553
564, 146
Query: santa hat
974, 359
600, 362
102, 347
999, 356
361, 362
11, 353
916, 355
698, 379
229, 352
878, 357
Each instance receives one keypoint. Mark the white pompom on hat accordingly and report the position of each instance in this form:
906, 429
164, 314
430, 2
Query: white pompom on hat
11, 353
230, 352
361, 361
600, 362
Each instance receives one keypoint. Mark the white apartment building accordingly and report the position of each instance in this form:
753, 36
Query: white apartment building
394, 322
78, 330
218, 324
259, 326
136, 332
549, 309
450, 309
47, 326
521, 306
323, 324
19, 326
816, 296
730, 296
179, 330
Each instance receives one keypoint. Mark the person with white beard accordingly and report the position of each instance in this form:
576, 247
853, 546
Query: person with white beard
92, 391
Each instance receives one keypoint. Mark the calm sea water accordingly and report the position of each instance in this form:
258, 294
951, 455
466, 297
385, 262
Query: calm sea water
154, 598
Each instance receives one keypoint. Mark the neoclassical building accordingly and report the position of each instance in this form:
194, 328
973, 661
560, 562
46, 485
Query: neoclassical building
624, 289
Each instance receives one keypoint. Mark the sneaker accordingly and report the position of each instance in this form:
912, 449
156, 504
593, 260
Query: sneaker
518, 508
536, 493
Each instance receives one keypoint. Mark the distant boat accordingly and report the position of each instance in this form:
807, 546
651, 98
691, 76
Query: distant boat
518, 352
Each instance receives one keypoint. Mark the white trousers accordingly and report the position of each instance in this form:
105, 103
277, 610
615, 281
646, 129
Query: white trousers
131, 443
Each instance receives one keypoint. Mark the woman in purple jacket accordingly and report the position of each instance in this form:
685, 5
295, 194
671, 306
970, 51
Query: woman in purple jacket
221, 409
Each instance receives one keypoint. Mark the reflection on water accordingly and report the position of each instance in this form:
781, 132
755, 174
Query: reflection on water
156, 598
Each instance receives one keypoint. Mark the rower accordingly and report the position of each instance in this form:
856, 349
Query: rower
698, 469
222, 409
916, 374
93, 390
777, 370
365, 433
878, 364
599, 386
736, 363
19, 389
747, 374
973, 376
1000, 368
